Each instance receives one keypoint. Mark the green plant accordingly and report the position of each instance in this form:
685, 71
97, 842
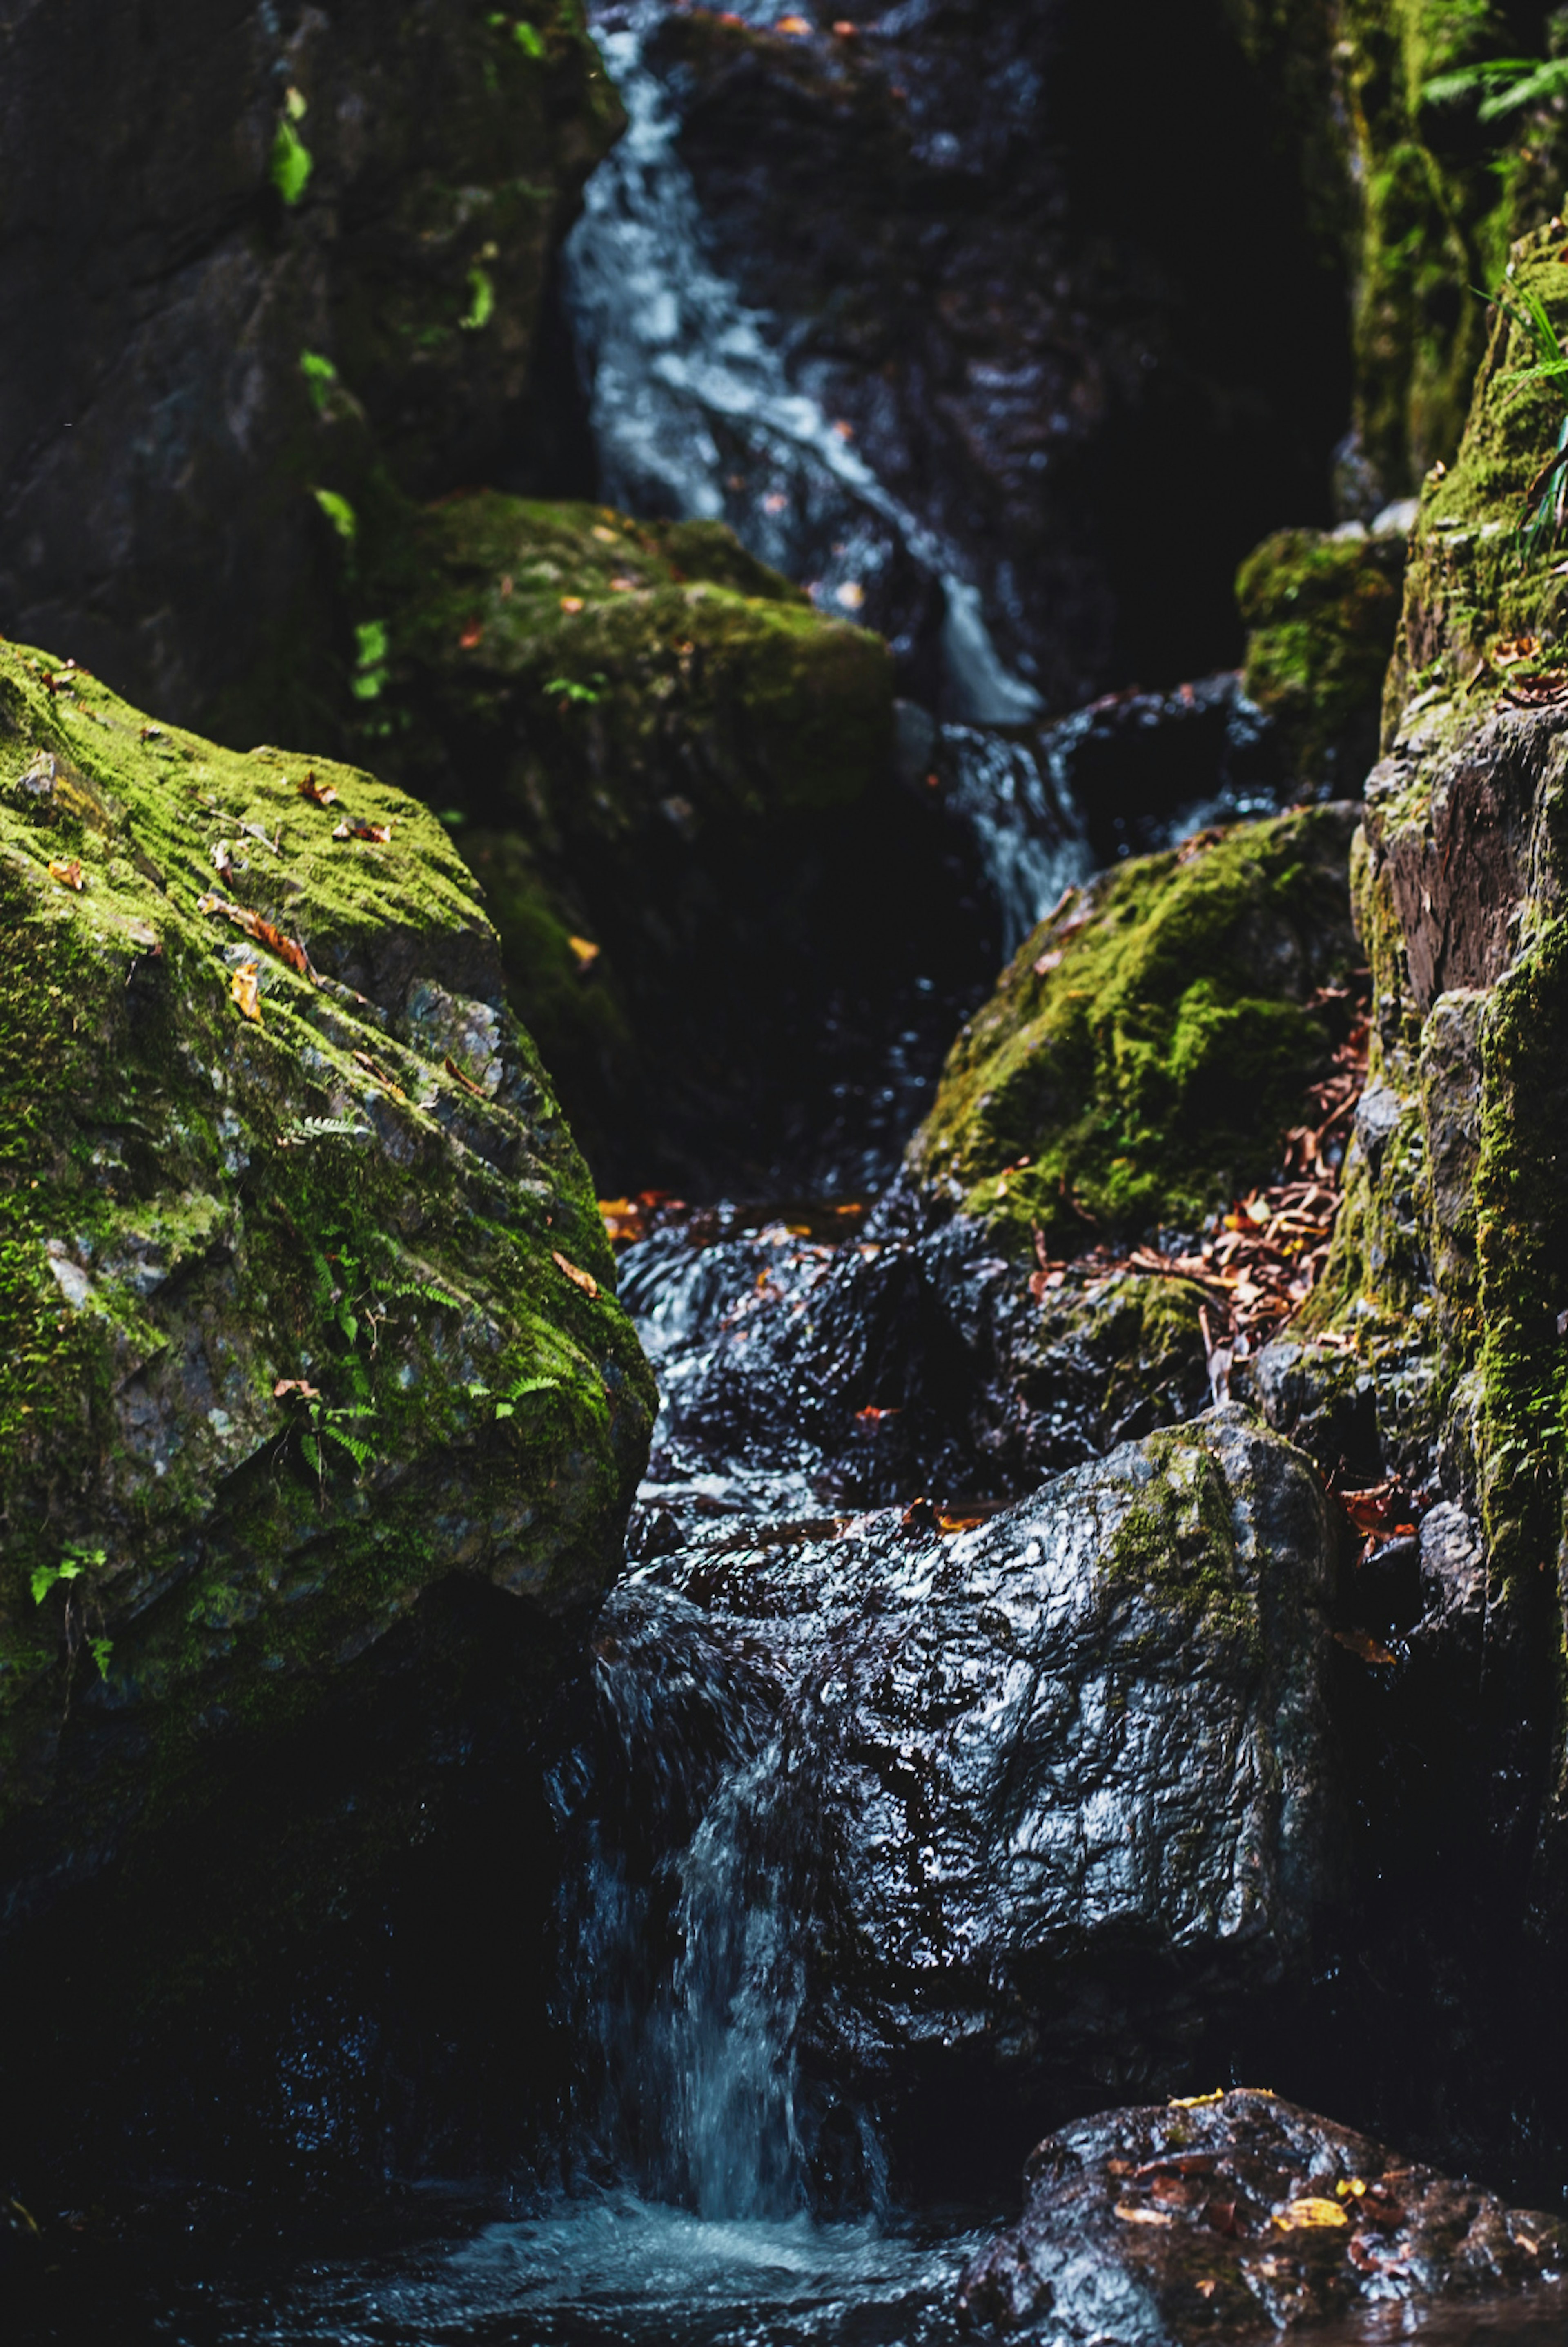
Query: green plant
482, 305
320, 375
338, 512
1506, 84
74, 1562
570, 690
371, 659
1548, 492
293, 162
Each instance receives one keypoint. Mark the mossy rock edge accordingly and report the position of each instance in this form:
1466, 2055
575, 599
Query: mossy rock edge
305, 1312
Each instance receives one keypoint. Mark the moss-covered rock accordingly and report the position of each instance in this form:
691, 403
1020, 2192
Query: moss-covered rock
1150, 1042
654, 746
1321, 610
307, 1305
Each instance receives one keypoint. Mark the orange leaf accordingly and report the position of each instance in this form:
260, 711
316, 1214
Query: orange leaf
378, 831
587, 953
795, 24
296, 1386
318, 793
872, 1416
246, 992
571, 602
1364, 1647
455, 1072
471, 635
68, 874
583, 1280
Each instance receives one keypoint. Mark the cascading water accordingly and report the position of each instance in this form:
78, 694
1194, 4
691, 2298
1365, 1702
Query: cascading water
694, 410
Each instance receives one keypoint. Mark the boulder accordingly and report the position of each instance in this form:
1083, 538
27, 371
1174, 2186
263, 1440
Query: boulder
1148, 1045
675, 777
316, 1403
1237, 2216
1050, 1790
289, 253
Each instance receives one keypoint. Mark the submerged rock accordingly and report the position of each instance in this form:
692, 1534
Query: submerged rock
316, 1401
1235, 2216
1050, 1792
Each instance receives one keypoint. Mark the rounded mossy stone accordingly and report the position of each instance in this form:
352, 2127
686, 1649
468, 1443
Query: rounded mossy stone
595, 676
1321, 612
306, 1300
1149, 1043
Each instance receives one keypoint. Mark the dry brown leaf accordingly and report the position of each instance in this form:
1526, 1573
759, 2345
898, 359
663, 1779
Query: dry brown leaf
456, 1073
245, 990
1310, 2212
1364, 1647
380, 832
318, 793
1130, 2216
306, 1393
583, 1280
69, 874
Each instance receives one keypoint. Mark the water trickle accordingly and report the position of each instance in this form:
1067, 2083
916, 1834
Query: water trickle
693, 408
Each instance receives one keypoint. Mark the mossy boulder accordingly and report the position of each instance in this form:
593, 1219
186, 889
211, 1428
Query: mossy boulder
1321, 610
309, 1326
670, 772
1148, 1045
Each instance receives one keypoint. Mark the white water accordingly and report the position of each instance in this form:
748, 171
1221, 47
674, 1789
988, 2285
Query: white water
685, 380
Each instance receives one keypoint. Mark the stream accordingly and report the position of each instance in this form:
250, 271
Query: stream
684, 2206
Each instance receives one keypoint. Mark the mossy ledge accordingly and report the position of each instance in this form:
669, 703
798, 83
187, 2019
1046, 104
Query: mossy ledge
1150, 1041
304, 1313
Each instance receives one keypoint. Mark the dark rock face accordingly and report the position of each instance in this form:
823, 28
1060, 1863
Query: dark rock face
1021, 315
1239, 2216
1051, 1790
156, 469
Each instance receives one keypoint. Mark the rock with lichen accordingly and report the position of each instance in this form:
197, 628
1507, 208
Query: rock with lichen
1321, 609
315, 1392
1148, 1045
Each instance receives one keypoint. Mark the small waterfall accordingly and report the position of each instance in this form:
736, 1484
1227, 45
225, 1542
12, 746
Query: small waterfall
1024, 822
694, 412
681, 1955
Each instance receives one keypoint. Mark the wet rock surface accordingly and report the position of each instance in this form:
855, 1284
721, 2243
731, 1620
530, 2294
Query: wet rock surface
1237, 2218
1048, 1790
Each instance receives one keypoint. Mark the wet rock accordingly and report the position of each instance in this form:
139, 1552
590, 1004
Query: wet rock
1237, 2217
319, 1407
1051, 1790
1017, 317
291, 252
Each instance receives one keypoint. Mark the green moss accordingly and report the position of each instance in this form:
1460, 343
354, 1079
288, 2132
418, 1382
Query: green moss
1322, 614
1150, 1042
698, 672
1177, 1543
364, 1191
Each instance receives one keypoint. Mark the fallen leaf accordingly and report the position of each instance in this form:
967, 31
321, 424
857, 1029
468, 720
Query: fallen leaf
843, 29
571, 602
318, 793
247, 993
872, 1416
471, 634
1204, 2289
380, 832
1197, 2102
456, 1073
587, 953
623, 586
68, 874
1309, 2212
1361, 1643
623, 1218
951, 1523
606, 537
287, 949
1130, 2216
583, 1280
222, 861
795, 24
363, 1059
1048, 962
296, 1386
